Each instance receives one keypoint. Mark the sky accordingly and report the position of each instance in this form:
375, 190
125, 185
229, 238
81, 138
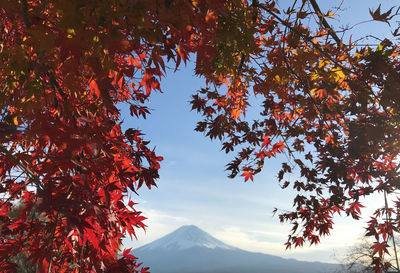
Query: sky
194, 189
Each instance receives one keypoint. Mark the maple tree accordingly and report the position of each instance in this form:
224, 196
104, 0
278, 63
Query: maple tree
358, 258
331, 107
65, 65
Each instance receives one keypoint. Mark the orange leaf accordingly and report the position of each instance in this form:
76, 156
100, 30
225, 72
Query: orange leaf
247, 175
94, 88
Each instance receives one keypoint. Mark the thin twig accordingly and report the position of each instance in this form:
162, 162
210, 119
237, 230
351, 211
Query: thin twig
325, 23
23, 167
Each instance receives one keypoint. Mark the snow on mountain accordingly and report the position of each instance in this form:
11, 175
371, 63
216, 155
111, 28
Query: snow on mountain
186, 237
191, 250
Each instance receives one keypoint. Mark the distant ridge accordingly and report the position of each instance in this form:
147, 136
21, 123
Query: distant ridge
192, 250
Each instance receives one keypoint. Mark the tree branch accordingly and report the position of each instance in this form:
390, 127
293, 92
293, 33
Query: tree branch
23, 167
325, 23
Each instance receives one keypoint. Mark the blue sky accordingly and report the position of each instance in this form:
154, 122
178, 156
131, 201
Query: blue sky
193, 187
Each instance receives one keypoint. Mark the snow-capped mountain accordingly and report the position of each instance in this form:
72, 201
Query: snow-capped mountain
192, 250
185, 237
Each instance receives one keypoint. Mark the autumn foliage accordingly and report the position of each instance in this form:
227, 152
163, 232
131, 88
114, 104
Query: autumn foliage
332, 107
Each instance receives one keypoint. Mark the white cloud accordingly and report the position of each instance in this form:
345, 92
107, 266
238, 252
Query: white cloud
158, 224
271, 242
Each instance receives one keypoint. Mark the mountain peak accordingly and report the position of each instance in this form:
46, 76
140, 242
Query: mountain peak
186, 237
190, 228
189, 231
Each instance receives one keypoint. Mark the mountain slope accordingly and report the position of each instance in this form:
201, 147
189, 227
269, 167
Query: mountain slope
191, 250
183, 238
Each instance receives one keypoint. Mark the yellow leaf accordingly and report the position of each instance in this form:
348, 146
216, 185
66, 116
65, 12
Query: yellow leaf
330, 15
70, 32
314, 76
338, 75
280, 79
15, 121
323, 63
